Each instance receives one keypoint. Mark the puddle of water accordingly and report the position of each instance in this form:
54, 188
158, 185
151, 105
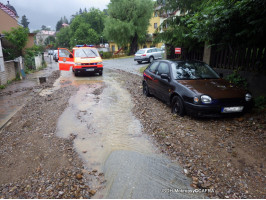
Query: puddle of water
102, 123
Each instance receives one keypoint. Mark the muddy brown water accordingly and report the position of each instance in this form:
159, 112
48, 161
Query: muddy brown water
110, 139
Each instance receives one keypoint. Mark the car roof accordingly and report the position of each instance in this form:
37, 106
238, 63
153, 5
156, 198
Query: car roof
147, 48
84, 48
179, 61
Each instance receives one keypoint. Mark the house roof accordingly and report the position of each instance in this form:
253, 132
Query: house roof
47, 32
8, 9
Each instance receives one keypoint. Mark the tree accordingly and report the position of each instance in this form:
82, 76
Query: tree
84, 35
24, 21
128, 22
95, 18
45, 28
223, 22
63, 37
60, 22
18, 37
230, 22
50, 40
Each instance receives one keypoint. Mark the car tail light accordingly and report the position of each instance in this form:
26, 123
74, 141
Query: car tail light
143, 55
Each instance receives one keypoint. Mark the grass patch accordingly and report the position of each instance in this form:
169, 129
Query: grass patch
141, 70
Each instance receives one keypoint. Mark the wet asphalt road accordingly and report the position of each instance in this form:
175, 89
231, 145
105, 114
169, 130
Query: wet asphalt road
125, 64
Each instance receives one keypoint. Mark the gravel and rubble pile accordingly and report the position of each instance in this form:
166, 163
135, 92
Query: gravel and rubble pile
34, 162
224, 154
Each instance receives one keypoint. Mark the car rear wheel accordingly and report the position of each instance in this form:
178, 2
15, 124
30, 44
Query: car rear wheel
139, 62
146, 91
178, 106
151, 59
100, 73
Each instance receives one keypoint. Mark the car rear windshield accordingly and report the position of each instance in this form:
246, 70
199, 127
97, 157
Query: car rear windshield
140, 51
193, 70
86, 53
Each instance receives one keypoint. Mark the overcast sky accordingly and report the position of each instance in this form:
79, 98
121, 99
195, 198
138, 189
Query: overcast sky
49, 12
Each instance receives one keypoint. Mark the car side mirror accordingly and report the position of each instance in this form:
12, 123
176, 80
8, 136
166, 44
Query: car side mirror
221, 75
70, 56
165, 76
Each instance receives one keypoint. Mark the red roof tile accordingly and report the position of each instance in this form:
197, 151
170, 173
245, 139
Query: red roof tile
10, 12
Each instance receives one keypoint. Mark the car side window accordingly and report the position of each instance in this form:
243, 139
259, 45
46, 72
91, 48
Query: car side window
149, 51
154, 50
163, 69
153, 67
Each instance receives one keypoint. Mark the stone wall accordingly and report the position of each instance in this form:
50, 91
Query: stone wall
10, 72
38, 61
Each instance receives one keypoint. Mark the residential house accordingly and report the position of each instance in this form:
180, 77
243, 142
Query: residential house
8, 17
42, 36
8, 20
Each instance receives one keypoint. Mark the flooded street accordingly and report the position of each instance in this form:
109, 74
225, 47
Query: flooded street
97, 136
110, 139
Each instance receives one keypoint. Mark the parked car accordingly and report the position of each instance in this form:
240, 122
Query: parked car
148, 54
194, 87
55, 56
50, 52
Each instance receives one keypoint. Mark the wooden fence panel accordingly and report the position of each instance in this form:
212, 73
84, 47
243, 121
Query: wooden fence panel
242, 58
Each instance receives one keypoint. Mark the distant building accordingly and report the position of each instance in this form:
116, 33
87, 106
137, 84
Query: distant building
42, 35
65, 25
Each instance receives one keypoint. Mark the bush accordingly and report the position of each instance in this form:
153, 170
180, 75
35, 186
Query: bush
237, 80
260, 102
106, 55
30, 53
9, 54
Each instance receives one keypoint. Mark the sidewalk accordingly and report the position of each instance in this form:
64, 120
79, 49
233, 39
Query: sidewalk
18, 93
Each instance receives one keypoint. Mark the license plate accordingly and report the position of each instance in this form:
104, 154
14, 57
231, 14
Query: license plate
232, 109
89, 70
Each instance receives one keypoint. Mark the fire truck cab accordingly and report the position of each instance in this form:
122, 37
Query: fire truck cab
83, 58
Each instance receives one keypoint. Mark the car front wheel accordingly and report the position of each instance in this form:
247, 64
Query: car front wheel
177, 106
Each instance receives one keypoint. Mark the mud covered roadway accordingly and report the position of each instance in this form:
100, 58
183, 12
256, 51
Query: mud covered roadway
99, 137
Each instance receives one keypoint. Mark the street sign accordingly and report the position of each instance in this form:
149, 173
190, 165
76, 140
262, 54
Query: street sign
178, 50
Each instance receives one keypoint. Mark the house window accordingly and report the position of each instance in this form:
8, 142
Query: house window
155, 25
155, 14
113, 48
